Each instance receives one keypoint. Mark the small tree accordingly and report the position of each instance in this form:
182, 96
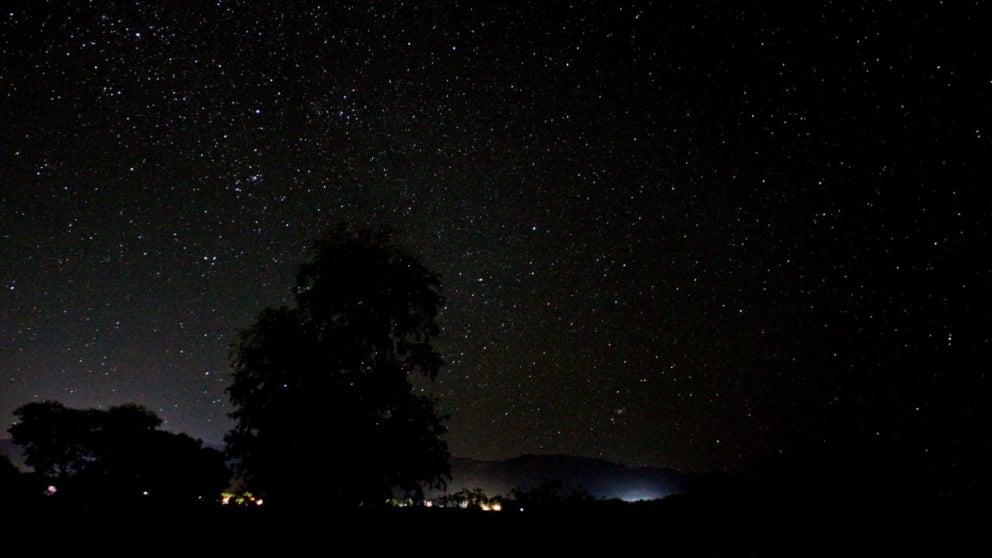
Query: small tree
322, 390
55, 439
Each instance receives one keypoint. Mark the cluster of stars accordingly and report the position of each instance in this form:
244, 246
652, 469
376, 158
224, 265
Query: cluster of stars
672, 236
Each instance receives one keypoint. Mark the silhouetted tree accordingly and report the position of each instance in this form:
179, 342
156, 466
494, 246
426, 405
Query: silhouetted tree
324, 406
116, 454
178, 468
54, 438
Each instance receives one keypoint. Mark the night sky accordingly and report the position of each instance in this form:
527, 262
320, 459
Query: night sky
693, 236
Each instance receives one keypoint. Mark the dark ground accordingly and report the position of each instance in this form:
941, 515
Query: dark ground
676, 526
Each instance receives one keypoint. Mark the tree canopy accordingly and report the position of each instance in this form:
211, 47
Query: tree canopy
324, 405
116, 453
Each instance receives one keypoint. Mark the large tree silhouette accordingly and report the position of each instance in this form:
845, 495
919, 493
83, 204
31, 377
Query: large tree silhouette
324, 406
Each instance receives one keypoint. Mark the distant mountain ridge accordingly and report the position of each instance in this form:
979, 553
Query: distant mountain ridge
603, 479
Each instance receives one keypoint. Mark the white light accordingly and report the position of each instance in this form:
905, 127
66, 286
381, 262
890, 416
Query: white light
640, 496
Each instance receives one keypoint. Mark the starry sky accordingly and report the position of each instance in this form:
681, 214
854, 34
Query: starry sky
682, 235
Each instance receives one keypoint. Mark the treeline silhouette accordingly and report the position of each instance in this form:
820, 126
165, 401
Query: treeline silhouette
327, 420
325, 413
114, 457
146, 484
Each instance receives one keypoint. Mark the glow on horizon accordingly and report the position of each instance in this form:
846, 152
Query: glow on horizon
641, 495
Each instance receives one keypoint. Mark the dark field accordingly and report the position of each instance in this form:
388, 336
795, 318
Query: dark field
676, 526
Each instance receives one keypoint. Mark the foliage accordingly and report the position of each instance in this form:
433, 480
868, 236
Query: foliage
471, 499
116, 454
322, 390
